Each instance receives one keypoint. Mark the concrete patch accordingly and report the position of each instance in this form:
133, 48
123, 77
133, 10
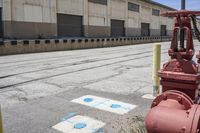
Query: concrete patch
148, 96
105, 104
80, 124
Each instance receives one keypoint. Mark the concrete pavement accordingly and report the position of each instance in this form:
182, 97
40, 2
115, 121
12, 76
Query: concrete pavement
36, 89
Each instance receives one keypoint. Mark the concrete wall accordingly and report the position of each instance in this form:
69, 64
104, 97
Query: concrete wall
133, 22
1, 3
32, 46
29, 18
98, 25
118, 9
72, 7
145, 16
33, 18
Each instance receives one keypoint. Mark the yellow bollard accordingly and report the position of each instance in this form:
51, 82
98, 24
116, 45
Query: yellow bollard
156, 67
1, 123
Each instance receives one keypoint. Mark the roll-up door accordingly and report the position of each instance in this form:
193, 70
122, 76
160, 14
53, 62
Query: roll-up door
145, 31
163, 30
117, 28
69, 25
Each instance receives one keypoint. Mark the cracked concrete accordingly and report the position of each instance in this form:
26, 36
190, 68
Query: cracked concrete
38, 87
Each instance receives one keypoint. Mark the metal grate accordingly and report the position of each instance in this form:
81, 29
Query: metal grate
155, 12
103, 2
133, 7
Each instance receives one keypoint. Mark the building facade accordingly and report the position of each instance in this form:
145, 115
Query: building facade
198, 24
83, 18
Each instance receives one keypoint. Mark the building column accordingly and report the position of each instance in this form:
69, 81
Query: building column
85, 18
7, 17
126, 17
109, 16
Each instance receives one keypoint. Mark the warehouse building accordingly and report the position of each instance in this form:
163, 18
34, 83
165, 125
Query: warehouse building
198, 23
83, 18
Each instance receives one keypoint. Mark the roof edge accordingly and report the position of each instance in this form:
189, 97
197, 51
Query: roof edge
159, 4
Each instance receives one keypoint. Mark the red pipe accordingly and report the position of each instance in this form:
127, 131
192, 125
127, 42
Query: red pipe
173, 112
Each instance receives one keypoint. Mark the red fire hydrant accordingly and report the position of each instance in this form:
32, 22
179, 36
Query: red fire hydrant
176, 110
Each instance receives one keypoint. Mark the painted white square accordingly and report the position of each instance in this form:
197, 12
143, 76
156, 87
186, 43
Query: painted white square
148, 96
106, 104
93, 126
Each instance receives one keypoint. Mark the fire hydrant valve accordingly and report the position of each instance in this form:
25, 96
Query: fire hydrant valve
177, 109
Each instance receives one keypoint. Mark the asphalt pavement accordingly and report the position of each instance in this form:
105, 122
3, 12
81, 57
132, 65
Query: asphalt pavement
36, 90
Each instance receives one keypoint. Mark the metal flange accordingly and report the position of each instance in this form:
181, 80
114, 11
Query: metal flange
173, 111
181, 97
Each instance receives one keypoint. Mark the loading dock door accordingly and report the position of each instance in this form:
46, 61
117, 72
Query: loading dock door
69, 25
145, 30
117, 28
163, 30
1, 24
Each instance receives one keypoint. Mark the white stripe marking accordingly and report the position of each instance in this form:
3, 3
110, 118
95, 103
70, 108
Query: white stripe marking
93, 126
105, 104
148, 96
